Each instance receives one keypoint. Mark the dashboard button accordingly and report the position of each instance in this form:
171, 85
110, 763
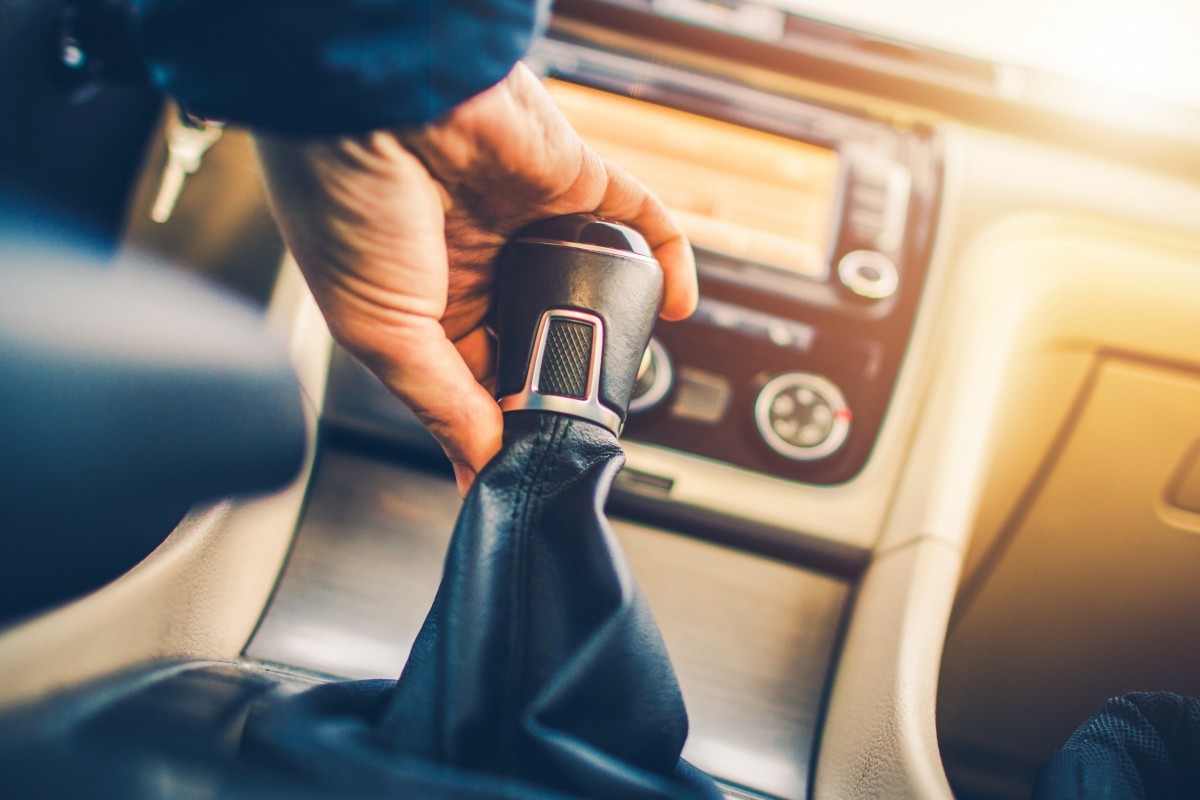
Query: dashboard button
701, 396
802, 416
869, 274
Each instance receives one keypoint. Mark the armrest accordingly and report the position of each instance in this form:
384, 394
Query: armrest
126, 395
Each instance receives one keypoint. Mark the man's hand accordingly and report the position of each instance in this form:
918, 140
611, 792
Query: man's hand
397, 234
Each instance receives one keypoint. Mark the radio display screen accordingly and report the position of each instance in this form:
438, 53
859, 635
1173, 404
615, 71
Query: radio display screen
746, 194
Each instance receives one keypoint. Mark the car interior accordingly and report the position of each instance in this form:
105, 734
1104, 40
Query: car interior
913, 492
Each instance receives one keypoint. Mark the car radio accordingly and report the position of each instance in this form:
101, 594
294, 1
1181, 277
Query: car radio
811, 226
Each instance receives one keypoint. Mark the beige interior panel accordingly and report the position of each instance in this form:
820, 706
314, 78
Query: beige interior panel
1081, 578
221, 226
1046, 385
879, 738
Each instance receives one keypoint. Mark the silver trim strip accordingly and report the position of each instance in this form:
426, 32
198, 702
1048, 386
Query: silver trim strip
591, 248
530, 398
663, 379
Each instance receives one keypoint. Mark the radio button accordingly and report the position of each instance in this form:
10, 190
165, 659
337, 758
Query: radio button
879, 190
779, 331
869, 274
701, 396
802, 416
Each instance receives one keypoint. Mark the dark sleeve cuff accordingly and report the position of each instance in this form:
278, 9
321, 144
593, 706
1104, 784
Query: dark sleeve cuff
323, 67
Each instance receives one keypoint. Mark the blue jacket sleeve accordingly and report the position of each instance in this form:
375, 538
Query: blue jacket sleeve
315, 67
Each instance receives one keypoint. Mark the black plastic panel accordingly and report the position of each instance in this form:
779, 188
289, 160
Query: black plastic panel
73, 152
855, 342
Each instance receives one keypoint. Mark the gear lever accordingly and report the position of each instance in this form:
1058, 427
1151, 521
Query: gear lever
539, 671
576, 301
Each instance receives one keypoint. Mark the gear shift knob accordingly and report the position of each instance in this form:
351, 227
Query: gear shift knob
576, 300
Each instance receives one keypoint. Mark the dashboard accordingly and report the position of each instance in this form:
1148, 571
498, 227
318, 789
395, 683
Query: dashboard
813, 225
811, 228
871, 483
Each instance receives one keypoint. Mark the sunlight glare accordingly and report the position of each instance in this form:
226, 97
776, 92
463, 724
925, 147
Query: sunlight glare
1151, 47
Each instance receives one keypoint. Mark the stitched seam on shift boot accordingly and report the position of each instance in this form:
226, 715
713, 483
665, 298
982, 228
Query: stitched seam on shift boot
516, 569
529, 495
550, 435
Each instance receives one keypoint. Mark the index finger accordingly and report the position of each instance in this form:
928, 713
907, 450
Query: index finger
627, 200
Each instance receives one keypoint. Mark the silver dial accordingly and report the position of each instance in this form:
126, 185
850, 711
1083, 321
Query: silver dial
802, 416
654, 378
869, 274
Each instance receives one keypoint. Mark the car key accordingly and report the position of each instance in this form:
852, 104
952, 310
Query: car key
188, 139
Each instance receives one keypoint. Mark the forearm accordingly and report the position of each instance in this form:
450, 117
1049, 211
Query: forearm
311, 67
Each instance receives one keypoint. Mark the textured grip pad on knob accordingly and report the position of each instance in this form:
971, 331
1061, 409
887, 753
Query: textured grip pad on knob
566, 359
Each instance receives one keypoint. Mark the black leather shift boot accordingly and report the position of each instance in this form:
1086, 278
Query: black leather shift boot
539, 672
539, 663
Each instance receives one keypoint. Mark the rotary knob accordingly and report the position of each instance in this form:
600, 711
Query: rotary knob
653, 380
869, 274
802, 416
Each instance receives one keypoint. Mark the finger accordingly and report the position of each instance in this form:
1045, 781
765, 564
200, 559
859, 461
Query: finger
426, 370
680, 292
478, 351
629, 201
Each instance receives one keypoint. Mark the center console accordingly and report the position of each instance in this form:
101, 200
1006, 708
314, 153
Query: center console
811, 227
